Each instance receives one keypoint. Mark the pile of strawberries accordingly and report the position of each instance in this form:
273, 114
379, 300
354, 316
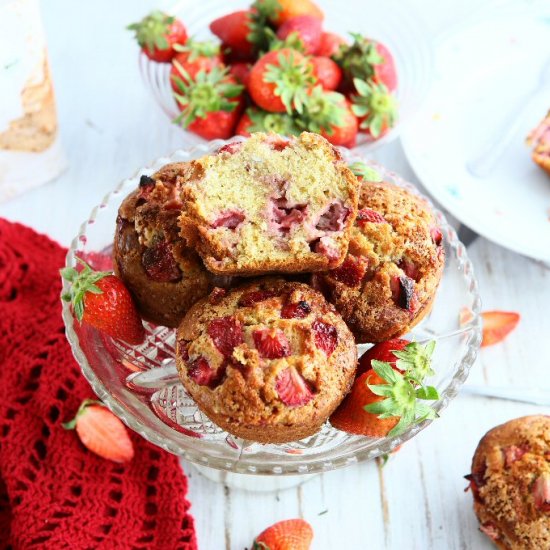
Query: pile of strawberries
275, 69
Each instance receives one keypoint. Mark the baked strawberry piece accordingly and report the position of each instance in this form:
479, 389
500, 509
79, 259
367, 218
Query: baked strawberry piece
395, 261
164, 276
510, 483
268, 361
270, 204
539, 141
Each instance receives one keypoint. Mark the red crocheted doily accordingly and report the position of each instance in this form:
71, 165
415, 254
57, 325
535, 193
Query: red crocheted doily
55, 494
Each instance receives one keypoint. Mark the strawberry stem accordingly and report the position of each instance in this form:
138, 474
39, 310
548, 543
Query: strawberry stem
71, 424
151, 31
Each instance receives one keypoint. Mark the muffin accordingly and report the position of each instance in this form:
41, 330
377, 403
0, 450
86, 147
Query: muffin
268, 361
268, 204
390, 276
539, 141
510, 482
164, 276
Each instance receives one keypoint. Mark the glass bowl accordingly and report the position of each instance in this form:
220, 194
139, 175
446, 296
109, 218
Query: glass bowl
139, 386
388, 22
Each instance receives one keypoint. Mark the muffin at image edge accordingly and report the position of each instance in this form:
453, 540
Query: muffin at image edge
164, 276
395, 261
510, 482
268, 361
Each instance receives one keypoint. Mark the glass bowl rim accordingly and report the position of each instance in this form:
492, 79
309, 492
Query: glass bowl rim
293, 465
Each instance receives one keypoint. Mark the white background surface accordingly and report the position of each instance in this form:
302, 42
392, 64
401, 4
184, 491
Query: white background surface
110, 127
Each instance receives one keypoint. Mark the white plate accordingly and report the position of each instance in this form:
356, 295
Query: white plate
487, 82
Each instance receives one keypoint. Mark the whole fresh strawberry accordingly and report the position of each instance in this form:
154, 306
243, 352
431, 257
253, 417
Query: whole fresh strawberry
386, 399
157, 34
257, 120
233, 30
101, 432
287, 9
290, 534
101, 300
329, 44
194, 57
280, 81
308, 31
329, 114
383, 351
375, 107
367, 60
240, 71
327, 72
210, 103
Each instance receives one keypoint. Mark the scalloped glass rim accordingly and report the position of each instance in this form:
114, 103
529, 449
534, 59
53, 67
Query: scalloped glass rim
358, 448
387, 22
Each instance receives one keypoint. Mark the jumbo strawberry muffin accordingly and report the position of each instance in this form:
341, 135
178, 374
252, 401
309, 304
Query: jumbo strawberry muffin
390, 276
510, 482
270, 204
164, 276
268, 361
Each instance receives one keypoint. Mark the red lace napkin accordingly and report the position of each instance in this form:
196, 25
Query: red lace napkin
55, 494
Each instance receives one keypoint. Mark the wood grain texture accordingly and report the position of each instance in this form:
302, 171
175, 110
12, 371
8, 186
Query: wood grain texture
110, 127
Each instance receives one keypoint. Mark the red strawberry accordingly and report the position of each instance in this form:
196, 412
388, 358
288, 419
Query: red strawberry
157, 34
326, 336
437, 235
497, 325
351, 416
329, 44
192, 58
159, 263
375, 107
210, 104
258, 120
541, 492
289, 9
217, 295
203, 374
230, 219
351, 272
327, 72
290, 534
403, 293
366, 215
271, 343
240, 71
329, 114
250, 298
101, 432
366, 60
102, 301
233, 30
280, 80
513, 453
385, 72
409, 268
382, 351
292, 389
226, 333
307, 28
298, 310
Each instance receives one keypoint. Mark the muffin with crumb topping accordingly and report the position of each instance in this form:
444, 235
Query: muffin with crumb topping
268, 204
163, 274
510, 482
268, 361
389, 278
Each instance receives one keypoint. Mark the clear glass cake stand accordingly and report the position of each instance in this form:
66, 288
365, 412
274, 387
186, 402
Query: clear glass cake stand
138, 383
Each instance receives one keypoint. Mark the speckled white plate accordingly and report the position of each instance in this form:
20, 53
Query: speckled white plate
491, 86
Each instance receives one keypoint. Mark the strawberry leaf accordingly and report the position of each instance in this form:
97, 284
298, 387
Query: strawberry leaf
360, 169
405, 391
323, 111
375, 105
151, 31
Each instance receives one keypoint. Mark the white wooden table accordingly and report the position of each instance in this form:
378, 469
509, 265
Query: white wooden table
110, 127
